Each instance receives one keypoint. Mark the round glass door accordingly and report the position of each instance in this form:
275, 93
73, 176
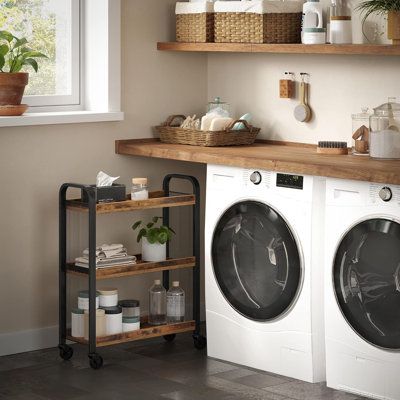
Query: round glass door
256, 261
367, 281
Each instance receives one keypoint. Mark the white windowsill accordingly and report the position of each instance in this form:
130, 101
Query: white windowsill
63, 117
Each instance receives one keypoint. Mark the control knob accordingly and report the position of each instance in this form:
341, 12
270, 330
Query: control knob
256, 178
385, 193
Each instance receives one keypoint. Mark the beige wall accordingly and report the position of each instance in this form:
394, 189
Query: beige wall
34, 161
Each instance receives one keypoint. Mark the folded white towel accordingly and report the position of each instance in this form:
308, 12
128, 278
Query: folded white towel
194, 8
259, 6
83, 261
108, 251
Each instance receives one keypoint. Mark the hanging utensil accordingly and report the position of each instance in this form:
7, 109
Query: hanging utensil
302, 112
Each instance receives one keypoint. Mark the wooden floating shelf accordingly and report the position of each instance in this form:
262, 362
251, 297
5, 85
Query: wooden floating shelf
338, 49
156, 200
146, 332
120, 271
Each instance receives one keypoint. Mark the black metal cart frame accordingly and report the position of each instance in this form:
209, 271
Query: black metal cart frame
96, 360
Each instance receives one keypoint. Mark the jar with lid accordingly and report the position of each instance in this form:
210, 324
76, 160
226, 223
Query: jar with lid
385, 131
360, 132
100, 323
218, 106
139, 189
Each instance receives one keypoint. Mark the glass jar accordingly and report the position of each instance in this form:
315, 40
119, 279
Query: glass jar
157, 304
139, 190
175, 304
360, 132
385, 130
219, 107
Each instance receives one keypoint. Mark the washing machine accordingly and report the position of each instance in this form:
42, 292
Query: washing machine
264, 282
362, 288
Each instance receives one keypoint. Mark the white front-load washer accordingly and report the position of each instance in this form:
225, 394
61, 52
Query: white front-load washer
264, 284
362, 288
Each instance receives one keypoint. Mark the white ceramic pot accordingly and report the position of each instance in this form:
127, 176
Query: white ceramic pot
153, 251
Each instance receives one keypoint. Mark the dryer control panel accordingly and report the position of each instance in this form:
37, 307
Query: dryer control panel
290, 181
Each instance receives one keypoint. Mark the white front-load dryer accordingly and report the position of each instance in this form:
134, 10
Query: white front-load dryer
362, 288
264, 282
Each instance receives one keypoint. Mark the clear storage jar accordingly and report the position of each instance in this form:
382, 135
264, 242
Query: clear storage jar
385, 131
157, 304
139, 190
218, 105
175, 304
360, 132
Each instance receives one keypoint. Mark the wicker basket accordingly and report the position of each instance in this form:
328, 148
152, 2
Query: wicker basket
195, 28
231, 27
170, 133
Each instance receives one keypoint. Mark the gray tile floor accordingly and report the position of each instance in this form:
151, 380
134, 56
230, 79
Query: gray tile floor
151, 369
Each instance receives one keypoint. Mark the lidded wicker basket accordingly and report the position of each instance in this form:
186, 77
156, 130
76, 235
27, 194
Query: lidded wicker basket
258, 21
194, 22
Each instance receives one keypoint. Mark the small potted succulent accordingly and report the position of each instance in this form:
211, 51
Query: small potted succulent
14, 55
154, 237
382, 7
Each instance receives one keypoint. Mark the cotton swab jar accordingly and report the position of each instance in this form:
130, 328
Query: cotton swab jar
139, 189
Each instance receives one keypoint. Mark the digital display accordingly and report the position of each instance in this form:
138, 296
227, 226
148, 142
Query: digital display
290, 181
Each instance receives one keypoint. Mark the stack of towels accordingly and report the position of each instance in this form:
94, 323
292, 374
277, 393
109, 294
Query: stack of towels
107, 255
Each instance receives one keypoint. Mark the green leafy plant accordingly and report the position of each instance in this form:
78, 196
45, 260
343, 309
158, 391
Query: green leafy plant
14, 54
154, 234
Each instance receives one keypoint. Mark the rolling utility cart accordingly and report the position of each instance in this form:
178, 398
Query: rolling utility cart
161, 199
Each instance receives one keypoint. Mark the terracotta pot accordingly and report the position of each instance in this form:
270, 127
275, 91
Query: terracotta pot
12, 87
394, 26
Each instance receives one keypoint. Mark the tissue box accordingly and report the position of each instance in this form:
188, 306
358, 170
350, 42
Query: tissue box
194, 22
107, 194
258, 21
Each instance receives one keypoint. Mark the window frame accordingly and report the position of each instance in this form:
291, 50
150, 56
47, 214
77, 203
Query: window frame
70, 101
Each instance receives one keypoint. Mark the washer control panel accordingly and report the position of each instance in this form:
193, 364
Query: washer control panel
256, 178
385, 193
290, 181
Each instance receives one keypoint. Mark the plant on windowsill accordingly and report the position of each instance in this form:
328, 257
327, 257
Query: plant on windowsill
14, 55
154, 239
382, 7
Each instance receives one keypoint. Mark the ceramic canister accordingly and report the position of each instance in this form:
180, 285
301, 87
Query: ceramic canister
100, 323
77, 323
341, 30
113, 320
83, 300
108, 297
314, 35
130, 324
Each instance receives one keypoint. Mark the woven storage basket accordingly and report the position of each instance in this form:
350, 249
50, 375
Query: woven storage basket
257, 28
195, 28
176, 135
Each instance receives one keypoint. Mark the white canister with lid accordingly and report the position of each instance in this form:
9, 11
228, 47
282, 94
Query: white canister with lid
83, 300
78, 323
130, 308
139, 189
130, 324
100, 323
113, 320
314, 36
341, 30
108, 297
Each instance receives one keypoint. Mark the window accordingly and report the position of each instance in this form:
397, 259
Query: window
53, 27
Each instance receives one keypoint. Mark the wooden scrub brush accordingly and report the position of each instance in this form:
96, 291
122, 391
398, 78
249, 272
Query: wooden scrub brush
329, 147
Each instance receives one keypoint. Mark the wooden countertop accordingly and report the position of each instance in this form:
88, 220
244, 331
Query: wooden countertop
281, 156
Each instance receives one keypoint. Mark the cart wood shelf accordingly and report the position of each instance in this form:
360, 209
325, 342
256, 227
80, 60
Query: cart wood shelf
163, 199
145, 332
156, 199
333, 49
141, 267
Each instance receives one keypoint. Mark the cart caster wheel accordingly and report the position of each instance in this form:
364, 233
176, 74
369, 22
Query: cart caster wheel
96, 361
66, 352
169, 338
199, 341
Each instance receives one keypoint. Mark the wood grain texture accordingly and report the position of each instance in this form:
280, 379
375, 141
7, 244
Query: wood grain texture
272, 157
334, 49
120, 271
156, 200
146, 332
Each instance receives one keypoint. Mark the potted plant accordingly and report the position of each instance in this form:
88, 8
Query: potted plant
14, 55
154, 239
389, 7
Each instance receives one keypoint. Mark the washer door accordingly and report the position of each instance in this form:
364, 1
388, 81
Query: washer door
256, 261
367, 281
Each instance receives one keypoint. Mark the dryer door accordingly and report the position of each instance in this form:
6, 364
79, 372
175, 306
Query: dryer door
256, 261
366, 275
